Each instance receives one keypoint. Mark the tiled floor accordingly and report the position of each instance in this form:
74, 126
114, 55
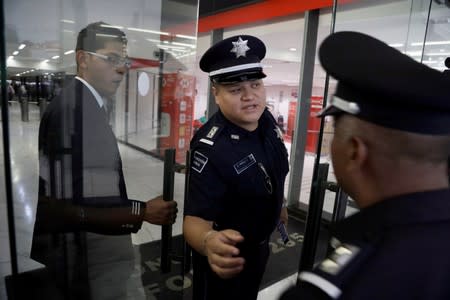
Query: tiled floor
144, 180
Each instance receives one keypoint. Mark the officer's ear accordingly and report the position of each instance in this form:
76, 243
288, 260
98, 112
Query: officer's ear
214, 89
357, 152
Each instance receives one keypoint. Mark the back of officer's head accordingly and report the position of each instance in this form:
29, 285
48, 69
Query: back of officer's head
397, 95
234, 59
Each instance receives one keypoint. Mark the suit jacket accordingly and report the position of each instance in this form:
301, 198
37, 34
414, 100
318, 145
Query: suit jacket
84, 216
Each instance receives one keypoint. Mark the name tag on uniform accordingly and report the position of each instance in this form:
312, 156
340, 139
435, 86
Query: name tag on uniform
199, 161
244, 163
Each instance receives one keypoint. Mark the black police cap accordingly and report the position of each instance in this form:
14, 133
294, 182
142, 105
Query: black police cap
379, 84
234, 59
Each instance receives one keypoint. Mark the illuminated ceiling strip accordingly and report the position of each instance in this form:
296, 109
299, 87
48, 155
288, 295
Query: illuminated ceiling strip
148, 31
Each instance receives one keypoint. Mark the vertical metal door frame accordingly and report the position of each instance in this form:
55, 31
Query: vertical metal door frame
6, 149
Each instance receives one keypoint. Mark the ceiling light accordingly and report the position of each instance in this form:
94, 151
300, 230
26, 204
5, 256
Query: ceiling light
396, 45
10, 57
148, 31
15, 52
68, 52
68, 21
55, 57
170, 47
437, 53
106, 35
186, 36
414, 53
183, 44
111, 26
22, 46
431, 43
293, 49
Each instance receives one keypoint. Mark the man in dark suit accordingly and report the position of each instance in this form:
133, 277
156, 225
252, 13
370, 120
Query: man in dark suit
84, 217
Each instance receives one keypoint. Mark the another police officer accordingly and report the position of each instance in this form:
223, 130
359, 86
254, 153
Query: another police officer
238, 168
389, 152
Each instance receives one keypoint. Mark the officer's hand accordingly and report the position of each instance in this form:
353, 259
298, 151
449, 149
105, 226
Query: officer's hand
160, 212
220, 248
284, 216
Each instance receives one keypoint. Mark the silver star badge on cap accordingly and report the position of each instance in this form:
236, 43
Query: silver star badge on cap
240, 47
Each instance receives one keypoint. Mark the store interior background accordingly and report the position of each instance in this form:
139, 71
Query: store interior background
49, 30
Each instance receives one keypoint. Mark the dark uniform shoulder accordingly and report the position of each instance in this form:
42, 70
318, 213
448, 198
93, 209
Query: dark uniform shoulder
327, 279
208, 134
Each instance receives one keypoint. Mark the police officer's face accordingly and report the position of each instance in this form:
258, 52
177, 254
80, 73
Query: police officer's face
242, 103
104, 76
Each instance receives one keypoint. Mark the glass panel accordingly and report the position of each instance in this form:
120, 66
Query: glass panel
283, 39
202, 84
397, 23
85, 228
5, 262
437, 44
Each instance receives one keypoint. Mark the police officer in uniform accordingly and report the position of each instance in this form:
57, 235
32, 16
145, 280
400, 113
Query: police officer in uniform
238, 169
389, 152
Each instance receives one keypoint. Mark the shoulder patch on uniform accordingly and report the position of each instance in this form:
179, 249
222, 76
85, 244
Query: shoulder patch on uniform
333, 291
208, 142
212, 132
199, 161
340, 257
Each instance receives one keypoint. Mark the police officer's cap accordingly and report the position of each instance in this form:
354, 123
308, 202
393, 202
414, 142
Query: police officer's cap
379, 84
234, 59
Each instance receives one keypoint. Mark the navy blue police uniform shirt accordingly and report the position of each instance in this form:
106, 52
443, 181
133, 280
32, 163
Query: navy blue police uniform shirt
379, 250
237, 177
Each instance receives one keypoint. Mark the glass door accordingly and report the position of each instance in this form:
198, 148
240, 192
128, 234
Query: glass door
101, 90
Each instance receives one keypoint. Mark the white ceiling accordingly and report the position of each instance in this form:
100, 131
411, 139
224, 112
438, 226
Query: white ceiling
40, 26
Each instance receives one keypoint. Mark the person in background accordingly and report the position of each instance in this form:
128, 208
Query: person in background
389, 152
84, 216
280, 121
199, 122
11, 92
238, 169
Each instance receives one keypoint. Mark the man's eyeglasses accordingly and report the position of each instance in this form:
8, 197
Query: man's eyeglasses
115, 61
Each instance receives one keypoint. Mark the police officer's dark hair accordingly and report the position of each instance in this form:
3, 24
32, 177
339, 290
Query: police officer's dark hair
95, 35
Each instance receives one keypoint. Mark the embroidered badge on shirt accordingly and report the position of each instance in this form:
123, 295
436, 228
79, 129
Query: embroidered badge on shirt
212, 132
234, 137
199, 161
244, 163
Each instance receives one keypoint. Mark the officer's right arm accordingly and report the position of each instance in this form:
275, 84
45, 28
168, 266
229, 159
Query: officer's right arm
218, 246
57, 211
207, 190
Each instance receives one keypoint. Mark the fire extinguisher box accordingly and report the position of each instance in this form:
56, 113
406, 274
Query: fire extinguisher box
177, 113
